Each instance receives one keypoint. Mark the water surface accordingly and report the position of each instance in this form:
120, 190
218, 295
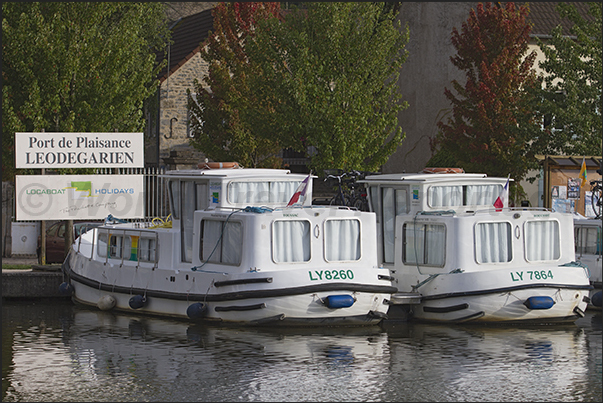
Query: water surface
56, 351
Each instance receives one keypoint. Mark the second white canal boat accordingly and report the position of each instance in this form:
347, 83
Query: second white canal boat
465, 260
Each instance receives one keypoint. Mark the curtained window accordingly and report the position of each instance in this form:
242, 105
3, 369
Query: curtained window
342, 240
493, 242
291, 241
424, 244
261, 192
542, 240
463, 195
221, 242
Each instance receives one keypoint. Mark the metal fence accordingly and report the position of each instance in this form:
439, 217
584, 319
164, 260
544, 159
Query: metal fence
156, 204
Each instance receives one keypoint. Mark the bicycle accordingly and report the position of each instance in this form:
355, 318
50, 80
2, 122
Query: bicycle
595, 199
349, 192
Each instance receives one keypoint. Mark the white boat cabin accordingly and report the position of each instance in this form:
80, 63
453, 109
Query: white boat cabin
425, 194
238, 188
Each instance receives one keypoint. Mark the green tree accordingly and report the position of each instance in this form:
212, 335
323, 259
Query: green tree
224, 100
572, 93
77, 66
492, 122
329, 77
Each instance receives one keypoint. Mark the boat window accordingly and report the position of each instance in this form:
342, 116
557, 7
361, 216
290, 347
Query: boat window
542, 240
221, 242
102, 243
463, 195
342, 240
394, 203
119, 246
261, 192
587, 240
175, 198
424, 244
291, 241
147, 250
493, 242
389, 219
202, 196
189, 202
445, 196
481, 195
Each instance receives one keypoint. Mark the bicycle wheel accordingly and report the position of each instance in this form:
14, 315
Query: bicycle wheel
360, 204
596, 201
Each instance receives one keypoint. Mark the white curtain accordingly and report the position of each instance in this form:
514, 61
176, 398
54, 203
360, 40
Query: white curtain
232, 242
211, 245
542, 240
261, 192
291, 241
147, 250
493, 242
227, 250
175, 198
342, 240
425, 244
389, 220
202, 196
445, 196
482, 195
189, 203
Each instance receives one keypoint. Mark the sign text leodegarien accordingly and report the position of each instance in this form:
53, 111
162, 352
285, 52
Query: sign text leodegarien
79, 150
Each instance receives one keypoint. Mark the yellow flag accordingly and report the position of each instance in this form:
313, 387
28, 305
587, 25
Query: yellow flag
583, 173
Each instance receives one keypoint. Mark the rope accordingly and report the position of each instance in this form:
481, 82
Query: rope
428, 279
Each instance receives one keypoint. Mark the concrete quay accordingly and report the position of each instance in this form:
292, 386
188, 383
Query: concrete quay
37, 282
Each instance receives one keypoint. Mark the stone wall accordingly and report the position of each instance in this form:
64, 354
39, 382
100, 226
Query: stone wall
175, 150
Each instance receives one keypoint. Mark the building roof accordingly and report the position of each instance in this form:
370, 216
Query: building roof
187, 35
545, 17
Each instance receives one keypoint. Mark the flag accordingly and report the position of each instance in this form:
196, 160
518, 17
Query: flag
300, 191
501, 200
583, 172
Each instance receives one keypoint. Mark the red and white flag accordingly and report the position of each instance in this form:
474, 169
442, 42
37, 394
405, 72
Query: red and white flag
501, 200
301, 191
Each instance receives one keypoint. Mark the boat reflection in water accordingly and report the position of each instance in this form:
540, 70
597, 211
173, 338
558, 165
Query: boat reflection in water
121, 357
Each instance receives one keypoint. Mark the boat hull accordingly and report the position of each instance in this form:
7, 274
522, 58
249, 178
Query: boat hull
250, 299
497, 296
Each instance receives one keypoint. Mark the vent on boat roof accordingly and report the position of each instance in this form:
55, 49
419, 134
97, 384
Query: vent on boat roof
443, 171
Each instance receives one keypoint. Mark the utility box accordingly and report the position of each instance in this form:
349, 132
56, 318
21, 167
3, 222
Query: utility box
24, 240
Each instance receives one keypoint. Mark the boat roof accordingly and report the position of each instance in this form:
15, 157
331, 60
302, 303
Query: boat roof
587, 221
235, 173
423, 178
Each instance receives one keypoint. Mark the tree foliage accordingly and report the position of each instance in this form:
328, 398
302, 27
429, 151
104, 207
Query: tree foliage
572, 93
224, 98
323, 78
492, 120
77, 66
330, 73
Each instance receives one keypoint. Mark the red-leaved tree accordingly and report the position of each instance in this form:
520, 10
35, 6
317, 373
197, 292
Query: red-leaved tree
224, 99
492, 118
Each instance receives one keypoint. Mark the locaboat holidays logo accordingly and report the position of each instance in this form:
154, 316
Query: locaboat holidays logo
79, 198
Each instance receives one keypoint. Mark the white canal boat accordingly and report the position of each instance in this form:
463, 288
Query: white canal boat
462, 260
235, 252
589, 247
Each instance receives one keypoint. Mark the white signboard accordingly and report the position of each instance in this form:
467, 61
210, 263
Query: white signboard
79, 150
79, 197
